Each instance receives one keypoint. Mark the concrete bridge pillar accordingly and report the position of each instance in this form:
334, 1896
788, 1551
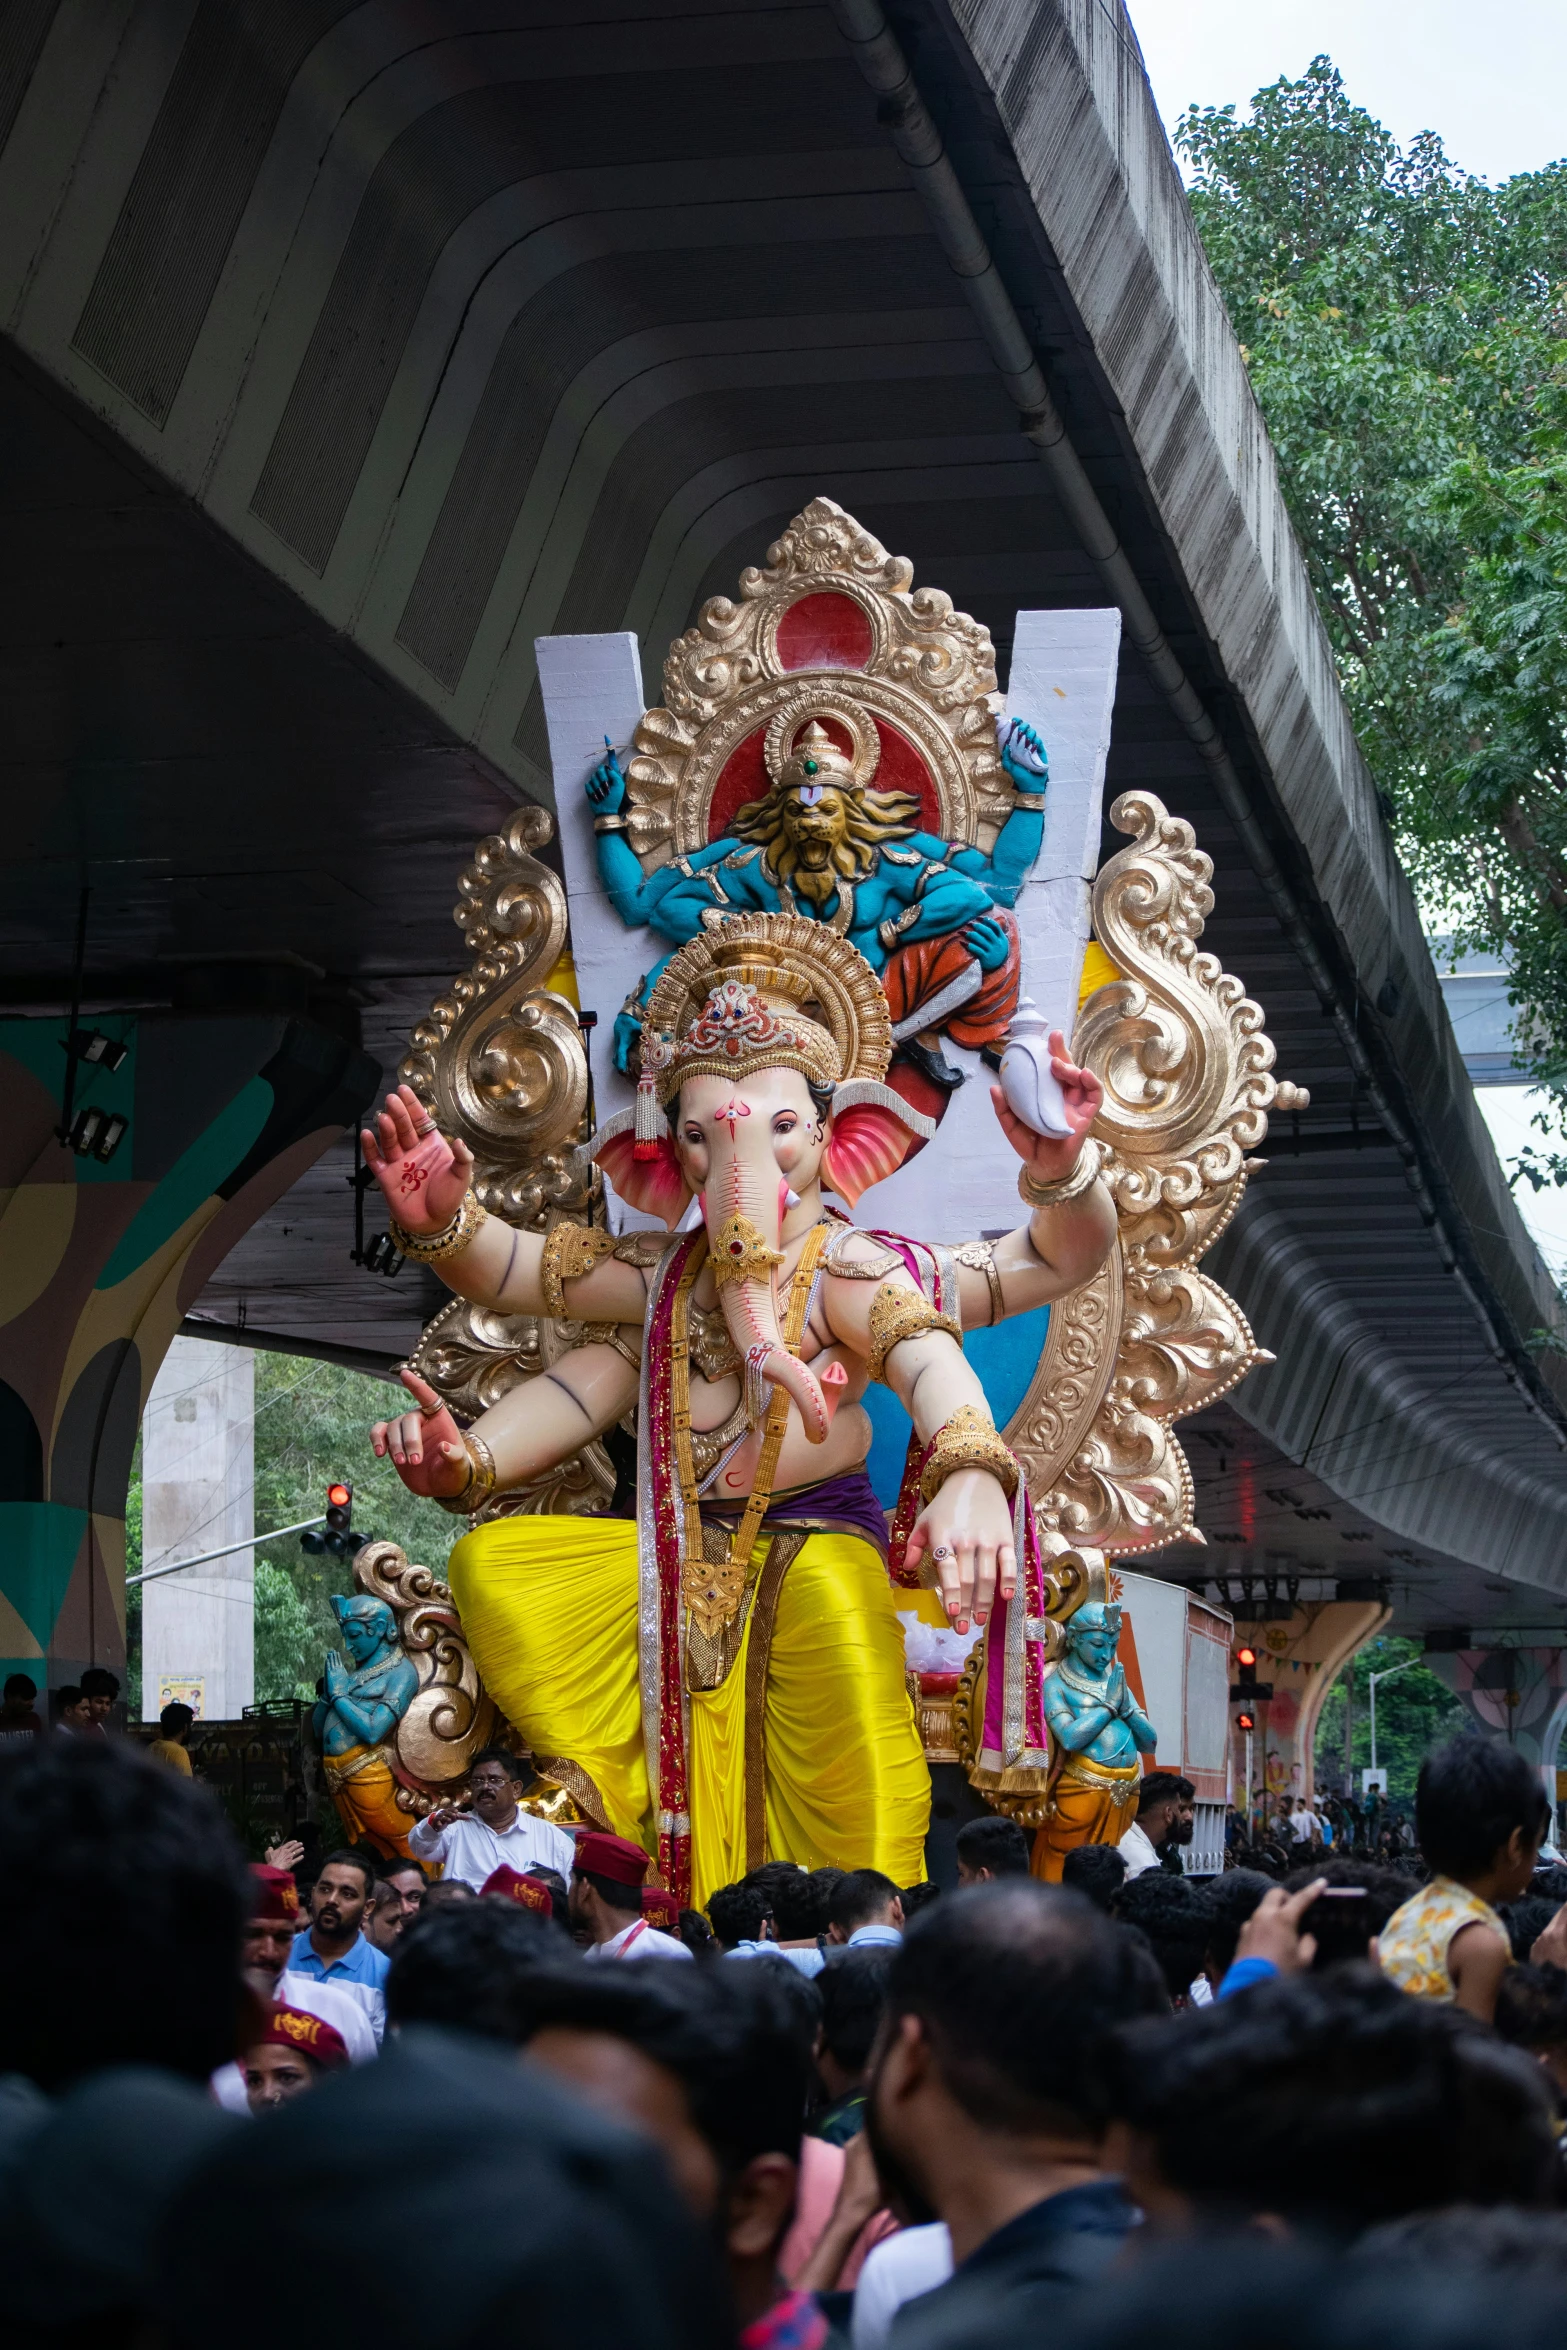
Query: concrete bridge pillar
1516, 1694
198, 1480
100, 1259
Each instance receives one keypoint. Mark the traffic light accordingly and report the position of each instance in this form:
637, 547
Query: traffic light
1248, 1690
339, 1536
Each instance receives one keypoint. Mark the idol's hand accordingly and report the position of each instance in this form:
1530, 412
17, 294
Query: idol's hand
426, 1446
336, 1674
987, 942
1049, 1157
421, 1174
962, 1543
1023, 758
606, 787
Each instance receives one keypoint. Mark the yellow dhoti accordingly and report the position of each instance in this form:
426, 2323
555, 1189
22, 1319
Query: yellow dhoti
816, 1760
365, 1792
1095, 1803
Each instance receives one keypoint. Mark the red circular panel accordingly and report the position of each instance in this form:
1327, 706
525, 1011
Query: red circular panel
900, 768
824, 632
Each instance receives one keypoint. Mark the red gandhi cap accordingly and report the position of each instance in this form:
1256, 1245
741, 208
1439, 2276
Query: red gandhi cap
661, 1909
275, 1895
513, 1885
615, 1857
291, 2027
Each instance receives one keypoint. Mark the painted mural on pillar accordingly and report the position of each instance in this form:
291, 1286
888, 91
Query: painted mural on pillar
101, 1259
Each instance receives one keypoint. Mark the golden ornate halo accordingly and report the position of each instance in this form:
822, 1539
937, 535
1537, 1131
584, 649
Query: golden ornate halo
817, 972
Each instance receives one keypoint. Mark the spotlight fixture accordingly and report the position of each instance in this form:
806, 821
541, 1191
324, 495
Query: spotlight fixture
90, 1045
97, 1134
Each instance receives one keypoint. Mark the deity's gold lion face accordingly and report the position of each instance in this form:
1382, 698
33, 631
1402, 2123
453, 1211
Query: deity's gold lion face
817, 822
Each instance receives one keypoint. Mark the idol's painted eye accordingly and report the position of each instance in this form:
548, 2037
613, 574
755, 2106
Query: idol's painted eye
785, 1124
694, 1136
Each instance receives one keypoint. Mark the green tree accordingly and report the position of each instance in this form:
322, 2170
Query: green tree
312, 1425
1414, 1713
1403, 327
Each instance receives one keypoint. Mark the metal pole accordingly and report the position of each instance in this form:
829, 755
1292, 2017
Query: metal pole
1391, 1674
1250, 1821
152, 1574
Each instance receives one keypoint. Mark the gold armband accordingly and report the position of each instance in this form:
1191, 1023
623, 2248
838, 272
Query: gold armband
740, 1253
1082, 1178
433, 1248
967, 1441
570, 1250
980, 1257
481, 1479
897, 1314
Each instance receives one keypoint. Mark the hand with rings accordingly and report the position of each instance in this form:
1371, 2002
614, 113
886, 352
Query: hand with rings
966, 1536
421, 1174
426, 1446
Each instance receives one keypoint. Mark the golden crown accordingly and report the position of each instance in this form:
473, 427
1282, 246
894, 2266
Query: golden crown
733, 1001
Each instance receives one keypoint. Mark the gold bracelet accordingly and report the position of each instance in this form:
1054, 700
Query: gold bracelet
570, 1250
481, 1479
1083, 1177
432, 1248
967, 1441
980, 1257
609, 824
897, 1314
1028, 799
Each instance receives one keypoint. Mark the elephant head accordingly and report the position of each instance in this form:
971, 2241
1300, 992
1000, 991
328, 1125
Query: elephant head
756, 1122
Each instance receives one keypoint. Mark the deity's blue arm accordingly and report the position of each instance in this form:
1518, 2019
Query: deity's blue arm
669, 900
370, 1719
1073, 1728
1005, 870
1144, 1736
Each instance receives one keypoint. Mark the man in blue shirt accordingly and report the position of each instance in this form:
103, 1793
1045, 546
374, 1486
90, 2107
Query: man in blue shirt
865, 1910
334, 1947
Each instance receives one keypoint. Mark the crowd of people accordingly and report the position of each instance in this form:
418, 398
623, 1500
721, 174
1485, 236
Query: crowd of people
444, 2086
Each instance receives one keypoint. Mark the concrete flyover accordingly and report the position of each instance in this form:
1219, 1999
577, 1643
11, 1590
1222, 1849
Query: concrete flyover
348, 348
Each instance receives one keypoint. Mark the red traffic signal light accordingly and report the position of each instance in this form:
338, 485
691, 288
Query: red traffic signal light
1246, 1656
1245, 1721
339, 1497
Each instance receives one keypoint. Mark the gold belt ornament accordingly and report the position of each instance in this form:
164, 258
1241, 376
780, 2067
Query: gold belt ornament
1093, 1774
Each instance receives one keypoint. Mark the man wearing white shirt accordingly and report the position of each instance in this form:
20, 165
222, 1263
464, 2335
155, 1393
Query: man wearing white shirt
268, 1940
496, 1833
606, 1900
1165, 1813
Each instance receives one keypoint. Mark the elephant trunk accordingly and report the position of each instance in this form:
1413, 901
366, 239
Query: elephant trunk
745, 1261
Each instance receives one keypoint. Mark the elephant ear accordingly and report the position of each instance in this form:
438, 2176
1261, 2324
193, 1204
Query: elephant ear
869, 1141
655, 1186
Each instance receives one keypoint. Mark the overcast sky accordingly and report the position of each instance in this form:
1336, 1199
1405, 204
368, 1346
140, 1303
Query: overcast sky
1491, 82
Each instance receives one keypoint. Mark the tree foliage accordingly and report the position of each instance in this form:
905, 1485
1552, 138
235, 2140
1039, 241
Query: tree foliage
312, 1425
1403, 325
1414, 1713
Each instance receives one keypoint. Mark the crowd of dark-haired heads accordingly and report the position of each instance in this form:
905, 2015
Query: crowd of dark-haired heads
1130, 2107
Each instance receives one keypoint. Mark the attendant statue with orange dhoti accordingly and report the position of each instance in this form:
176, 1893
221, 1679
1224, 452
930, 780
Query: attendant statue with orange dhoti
366, 1697
1099, 1731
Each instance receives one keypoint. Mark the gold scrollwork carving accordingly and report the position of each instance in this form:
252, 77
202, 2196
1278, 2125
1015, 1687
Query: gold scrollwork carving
449, 1718
1188, 1075
930, 675
499, 1060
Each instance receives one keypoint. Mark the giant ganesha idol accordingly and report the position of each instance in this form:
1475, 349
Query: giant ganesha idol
713, 1660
